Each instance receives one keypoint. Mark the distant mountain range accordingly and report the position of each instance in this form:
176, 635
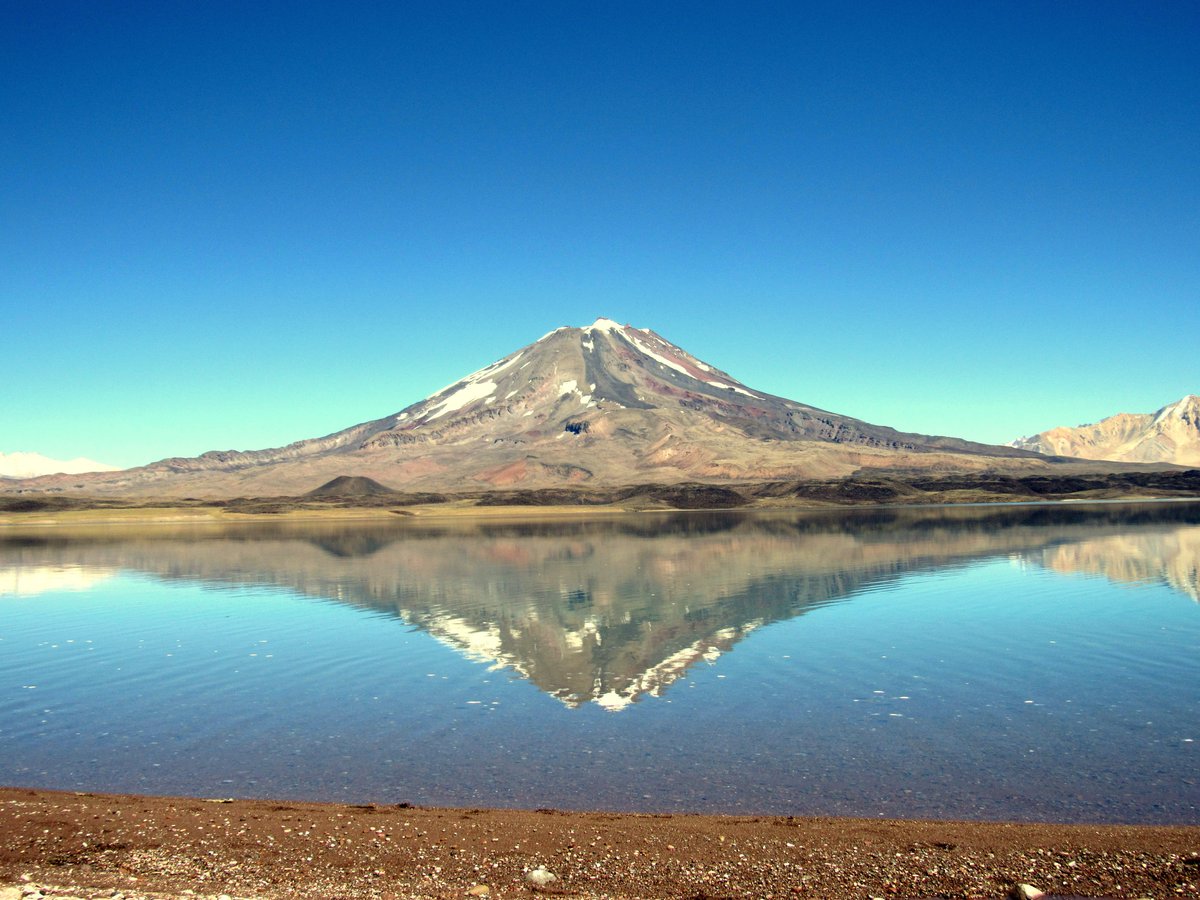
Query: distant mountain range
606, 404
30, 465
1169, 435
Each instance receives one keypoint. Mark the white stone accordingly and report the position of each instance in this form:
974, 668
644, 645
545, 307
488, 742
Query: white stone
541, 876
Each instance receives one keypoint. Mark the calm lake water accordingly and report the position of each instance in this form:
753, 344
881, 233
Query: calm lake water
984, 663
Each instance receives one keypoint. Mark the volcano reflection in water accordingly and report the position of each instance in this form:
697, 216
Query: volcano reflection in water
615, 609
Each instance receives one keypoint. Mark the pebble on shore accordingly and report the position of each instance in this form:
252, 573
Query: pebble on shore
62, 845
540, 877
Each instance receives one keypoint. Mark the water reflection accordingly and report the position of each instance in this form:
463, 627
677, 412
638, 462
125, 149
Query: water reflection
30, 581
611, 610
1171, 558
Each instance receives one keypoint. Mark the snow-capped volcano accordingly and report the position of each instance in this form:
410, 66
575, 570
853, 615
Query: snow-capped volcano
583, 385
484, 384
507, 380
603, 404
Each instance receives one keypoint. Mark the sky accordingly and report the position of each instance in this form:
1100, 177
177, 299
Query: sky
230, 225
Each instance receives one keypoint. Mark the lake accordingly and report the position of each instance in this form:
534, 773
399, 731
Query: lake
1024, 662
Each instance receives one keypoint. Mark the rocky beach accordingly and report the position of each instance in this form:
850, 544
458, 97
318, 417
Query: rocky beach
56, 844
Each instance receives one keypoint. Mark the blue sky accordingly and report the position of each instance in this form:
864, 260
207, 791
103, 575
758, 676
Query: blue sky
234, 225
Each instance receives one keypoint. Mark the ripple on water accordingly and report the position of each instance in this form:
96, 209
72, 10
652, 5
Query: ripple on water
872, 675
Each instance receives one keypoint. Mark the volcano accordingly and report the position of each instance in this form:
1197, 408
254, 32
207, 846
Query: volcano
606, 404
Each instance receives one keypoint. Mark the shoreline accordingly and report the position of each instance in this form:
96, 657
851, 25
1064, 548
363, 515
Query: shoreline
163, 514
91, 844
348, 498
170, 515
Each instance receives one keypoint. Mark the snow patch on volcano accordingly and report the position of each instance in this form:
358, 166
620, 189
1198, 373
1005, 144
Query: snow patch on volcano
468, 393
605, 326
657, 357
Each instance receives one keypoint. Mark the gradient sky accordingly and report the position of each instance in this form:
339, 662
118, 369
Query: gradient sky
235, 225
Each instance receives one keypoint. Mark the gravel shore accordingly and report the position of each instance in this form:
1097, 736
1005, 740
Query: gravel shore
61, 845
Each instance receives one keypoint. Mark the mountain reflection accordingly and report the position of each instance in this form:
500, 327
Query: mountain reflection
1172, 558
613, 609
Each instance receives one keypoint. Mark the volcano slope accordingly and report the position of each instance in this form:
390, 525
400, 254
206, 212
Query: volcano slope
598, 406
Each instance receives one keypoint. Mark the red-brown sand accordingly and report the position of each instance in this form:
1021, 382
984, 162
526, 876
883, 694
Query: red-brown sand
94, 845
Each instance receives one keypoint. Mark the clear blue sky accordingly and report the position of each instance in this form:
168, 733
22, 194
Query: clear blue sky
234, 225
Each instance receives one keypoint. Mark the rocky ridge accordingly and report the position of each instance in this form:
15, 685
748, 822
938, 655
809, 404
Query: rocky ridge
1168, 435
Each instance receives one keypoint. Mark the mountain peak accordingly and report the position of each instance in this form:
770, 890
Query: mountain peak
1188, 404
603, 324
1171, 435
